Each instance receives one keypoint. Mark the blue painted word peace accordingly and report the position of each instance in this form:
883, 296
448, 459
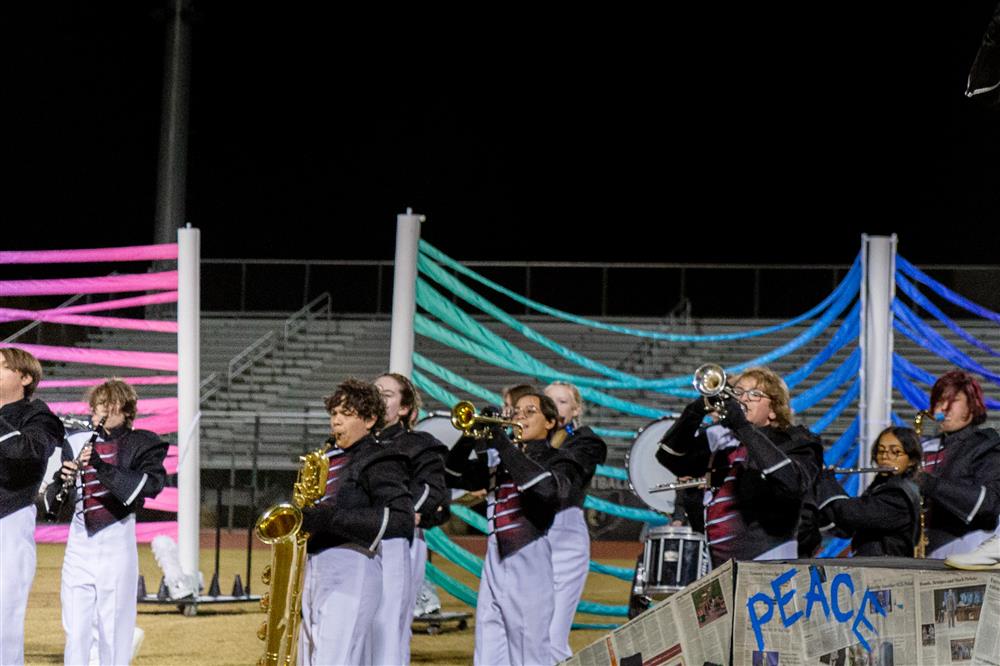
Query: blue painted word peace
816, 595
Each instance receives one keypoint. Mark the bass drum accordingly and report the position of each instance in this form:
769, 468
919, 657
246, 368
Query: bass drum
438, 423
644, 472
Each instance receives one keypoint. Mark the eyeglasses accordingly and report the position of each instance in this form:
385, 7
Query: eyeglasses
894, 452
526, 413
753, 395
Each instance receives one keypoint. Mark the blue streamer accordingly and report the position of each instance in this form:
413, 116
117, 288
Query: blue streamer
921, 300
840, 448
848, 332
848, 397
943, 291
613, 472
928, 338
843, 374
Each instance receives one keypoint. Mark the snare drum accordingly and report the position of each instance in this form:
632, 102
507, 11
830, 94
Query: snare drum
673, 558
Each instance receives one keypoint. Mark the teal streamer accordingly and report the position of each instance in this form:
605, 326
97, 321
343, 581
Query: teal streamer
455, 380
613, 472
435, 254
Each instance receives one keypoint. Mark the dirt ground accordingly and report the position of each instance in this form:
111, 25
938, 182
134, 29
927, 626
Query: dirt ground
226, 634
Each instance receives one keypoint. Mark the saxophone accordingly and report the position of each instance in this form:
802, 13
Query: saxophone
920, 550
281, 528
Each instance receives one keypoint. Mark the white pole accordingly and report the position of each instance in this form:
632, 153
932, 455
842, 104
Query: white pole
188, 398
404, 286
878, 290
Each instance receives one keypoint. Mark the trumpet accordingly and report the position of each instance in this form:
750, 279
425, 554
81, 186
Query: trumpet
710, 381
881, 469
680, 485
465, 418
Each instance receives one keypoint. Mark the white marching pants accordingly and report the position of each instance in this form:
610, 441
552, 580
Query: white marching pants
418, 562
515, 607
570, 542
395, 611
17, 571
99, 575
341, 591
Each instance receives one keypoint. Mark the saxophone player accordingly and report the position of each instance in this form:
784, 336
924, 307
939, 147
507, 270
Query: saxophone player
961, 476
109, 476
367, 497
29, 434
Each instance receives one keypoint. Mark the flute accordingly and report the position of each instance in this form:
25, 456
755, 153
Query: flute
863, 470
679, 485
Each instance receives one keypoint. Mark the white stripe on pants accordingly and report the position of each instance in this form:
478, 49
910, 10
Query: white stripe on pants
514, 609
17, 571
570, 542
99, 576
339, 596
418, 562
394, 613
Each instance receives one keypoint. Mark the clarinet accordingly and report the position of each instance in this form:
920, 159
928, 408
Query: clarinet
68, 484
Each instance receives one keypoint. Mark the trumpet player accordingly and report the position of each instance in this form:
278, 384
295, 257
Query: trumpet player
961, 479
29, 434
404, 556
885, 520
367, 497
109, 480
759, 467
526, 486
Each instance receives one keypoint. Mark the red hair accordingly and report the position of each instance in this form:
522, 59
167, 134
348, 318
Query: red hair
951, 383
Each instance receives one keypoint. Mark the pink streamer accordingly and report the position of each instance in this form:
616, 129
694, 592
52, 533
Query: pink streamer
134, 253
117, 304
148, 406
112, 357
10, 314
92, 285
170, 462
144, 532
165, 501
161, 424
135, 381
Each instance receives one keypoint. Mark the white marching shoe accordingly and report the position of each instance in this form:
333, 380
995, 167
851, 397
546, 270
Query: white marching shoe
983, 558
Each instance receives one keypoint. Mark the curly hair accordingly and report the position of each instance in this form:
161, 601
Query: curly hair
951, 383
362, 398
774, 386
115, 392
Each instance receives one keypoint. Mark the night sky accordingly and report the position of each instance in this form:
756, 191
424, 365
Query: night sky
681, 134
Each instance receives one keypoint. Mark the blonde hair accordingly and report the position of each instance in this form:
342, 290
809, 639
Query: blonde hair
116, 392
572, 389
24, 362
774, 386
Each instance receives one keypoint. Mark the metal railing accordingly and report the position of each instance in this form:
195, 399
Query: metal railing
599, 289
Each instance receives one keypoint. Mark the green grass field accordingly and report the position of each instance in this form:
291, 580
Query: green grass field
226, 634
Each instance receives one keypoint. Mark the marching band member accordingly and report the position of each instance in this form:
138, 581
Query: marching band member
961, 479
526, 485
569, 536
885, 520
29, 434
404, 556
367, 497
759, 471
111, 477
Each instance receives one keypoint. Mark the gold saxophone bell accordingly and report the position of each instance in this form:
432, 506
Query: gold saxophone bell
281, 528
465, 418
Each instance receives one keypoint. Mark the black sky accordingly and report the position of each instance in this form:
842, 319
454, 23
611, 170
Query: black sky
694, 134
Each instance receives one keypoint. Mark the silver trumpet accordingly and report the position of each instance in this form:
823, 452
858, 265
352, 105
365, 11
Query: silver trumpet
679, 485
710, 381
